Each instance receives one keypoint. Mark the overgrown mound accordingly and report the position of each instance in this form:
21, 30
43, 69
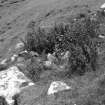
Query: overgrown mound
78, 37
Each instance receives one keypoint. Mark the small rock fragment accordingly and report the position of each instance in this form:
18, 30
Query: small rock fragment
101, 36
48, 63
13, 58
50, 60
3, 62
57, 86
34, 53
19, 45
103, 6
50, 57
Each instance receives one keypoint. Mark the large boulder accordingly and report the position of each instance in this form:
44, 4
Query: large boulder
12, 81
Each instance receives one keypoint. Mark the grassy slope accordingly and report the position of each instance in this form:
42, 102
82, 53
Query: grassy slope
16, 16
87, 90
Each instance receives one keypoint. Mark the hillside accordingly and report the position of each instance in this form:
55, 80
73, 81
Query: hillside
16, 15
60, 41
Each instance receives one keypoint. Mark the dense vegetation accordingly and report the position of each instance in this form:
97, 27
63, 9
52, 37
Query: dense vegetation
78, 37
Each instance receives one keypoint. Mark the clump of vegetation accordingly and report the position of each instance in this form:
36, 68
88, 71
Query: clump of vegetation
77, 37
34, 69
38, 40
83, 47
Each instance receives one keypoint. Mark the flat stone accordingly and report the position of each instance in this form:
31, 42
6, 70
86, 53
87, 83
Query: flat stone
102, 6
57, 86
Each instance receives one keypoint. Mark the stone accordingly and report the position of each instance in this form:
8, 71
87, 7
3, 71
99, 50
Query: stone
48, 63
19, 45
50, 57
34, 53
57, 86
3, 62
10, 82
103, 6
101, 36
14, 57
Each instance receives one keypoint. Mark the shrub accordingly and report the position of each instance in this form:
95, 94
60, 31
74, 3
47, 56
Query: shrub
39, 41
83, 49
76, 37
34, 69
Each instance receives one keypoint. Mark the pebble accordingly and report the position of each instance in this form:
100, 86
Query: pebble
19, 45
48, 63
3, 62
101, 36
57, 86
13, 58
103, 6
